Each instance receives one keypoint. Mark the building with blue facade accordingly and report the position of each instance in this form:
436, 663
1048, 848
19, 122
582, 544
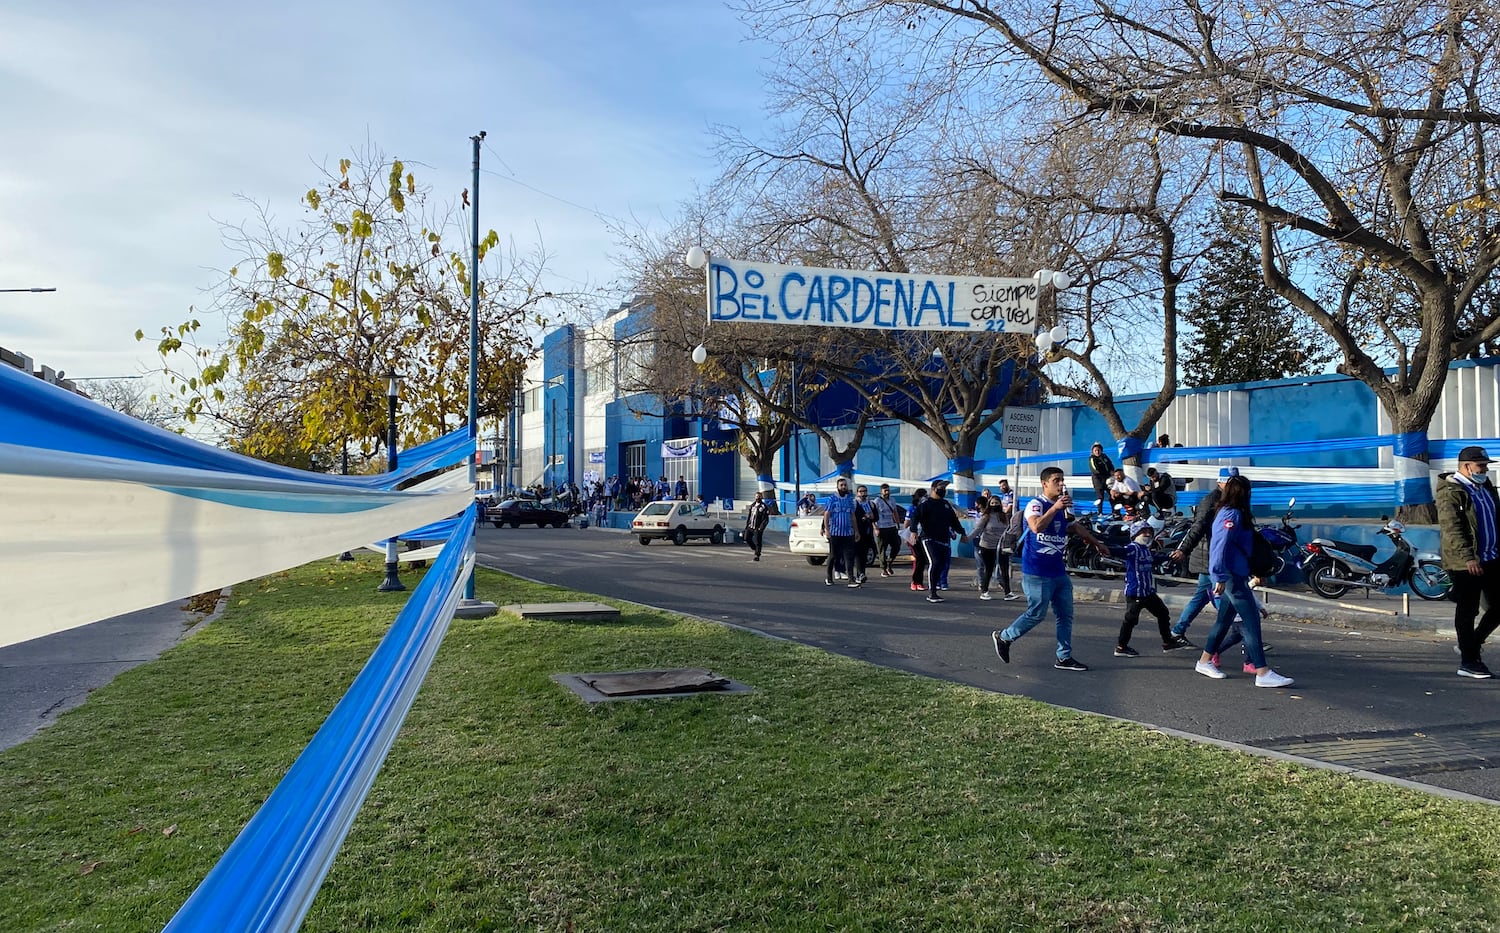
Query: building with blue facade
1323, 437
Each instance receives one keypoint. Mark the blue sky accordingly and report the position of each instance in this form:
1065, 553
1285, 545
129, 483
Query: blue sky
130, 128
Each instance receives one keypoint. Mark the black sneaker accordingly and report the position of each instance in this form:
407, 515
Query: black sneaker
856, 584
1070, 664
934, 598
1125, 651
1002, 647
1178, 643
828, 583
1474, 669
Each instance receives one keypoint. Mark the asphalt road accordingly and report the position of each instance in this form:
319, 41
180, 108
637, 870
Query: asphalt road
1380, 701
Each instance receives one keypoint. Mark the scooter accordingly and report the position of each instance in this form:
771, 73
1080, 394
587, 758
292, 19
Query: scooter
1283, 541
1334, 567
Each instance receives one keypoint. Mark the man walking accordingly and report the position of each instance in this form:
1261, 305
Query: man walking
756, 519
888, 519
1467, 505
839, 528
937, 525
1049, 521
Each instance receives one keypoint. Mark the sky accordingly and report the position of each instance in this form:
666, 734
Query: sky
133, 129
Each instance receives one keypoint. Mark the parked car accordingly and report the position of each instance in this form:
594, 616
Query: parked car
518, 512
678, 521
806, 538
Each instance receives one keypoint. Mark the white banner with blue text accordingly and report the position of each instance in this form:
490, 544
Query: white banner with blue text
767, 293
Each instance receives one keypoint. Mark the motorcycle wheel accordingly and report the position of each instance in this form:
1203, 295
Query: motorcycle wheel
1320, 579
1430, 581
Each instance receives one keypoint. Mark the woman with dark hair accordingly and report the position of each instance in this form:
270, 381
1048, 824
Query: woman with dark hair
1229, 569
909, 533
986, 540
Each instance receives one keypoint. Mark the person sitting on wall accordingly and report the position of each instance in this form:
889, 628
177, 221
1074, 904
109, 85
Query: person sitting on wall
1161, 491
1124, 491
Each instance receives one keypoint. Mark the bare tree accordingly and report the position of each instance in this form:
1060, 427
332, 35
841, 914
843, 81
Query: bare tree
134, 398
1361, 138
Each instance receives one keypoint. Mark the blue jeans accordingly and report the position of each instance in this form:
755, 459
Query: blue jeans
1202, 596
1041, 592
1238, 600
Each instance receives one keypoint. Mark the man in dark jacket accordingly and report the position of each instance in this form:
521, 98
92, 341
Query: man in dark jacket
937, 525
756, 519
1194, 547
1467, 506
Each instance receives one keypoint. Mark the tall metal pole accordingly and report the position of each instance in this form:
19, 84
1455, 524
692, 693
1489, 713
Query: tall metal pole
469, 607
392, 582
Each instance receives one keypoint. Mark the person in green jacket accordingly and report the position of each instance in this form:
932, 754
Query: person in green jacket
1467, 506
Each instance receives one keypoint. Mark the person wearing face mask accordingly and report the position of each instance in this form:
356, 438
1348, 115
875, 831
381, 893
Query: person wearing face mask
1140, 593
937, 524
1467, 505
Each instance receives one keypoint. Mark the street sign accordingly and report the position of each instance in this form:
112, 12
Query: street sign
1022, 429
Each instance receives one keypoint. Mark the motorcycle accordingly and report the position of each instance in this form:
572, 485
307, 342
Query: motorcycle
1283, 541
1334, 567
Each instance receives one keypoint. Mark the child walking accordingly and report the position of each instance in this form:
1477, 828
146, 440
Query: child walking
1140, 593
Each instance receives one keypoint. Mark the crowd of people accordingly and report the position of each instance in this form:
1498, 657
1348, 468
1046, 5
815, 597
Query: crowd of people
1218, 546
863, 531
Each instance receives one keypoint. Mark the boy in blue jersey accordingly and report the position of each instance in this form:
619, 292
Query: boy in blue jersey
1048, 523
1140, 593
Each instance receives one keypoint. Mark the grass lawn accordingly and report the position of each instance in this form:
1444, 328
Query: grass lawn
840, 796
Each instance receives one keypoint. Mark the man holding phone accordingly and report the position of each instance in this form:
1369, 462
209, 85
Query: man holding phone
1049, 521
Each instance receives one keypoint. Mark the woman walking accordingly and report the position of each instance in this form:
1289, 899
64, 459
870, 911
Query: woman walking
988, 532
1229, 569
909, 533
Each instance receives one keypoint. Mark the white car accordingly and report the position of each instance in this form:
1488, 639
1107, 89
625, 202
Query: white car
677, 521
806, 538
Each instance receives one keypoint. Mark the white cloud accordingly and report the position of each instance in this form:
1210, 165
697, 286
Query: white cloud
132, 128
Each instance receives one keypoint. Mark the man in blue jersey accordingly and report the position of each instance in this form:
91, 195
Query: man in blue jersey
1049, 521
842, 532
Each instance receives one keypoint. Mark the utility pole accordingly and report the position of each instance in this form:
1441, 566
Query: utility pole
469, 607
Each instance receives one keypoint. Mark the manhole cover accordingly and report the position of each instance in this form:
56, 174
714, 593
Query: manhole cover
606, 686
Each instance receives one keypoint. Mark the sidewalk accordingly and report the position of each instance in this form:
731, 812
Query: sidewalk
1297, 603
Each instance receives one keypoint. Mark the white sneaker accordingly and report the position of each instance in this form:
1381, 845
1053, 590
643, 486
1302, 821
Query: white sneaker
986, 595
1012, 595
1207, 669
1273, 679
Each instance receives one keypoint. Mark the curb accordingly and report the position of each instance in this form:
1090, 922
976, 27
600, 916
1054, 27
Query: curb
1289, 610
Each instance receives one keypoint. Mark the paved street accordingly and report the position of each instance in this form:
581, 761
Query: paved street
1384, 701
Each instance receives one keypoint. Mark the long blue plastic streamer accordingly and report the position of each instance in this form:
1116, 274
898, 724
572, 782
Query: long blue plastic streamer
268, 877
44, 416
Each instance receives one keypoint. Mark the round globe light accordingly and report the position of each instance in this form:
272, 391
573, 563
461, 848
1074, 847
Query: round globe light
1043, 277
1061, 280
696, 257
1044, 341
700, 354
1058, 333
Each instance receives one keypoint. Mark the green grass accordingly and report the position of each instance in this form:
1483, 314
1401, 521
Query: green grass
840, 796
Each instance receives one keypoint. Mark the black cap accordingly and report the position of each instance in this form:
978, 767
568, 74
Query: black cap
1473, 455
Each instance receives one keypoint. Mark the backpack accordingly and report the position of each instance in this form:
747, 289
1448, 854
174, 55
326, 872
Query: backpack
1262, 555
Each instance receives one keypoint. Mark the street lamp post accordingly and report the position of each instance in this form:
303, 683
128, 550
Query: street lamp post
392, 581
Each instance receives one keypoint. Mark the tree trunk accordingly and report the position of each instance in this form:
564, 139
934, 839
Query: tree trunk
1411, 459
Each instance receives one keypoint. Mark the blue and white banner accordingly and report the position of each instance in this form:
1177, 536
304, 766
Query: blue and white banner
763, 292
679, 450
105, 514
